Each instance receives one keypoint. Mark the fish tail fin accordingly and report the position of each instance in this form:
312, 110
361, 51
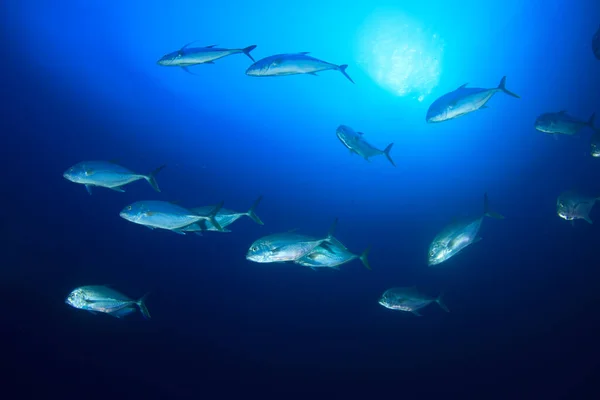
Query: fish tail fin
387, 153
151, 178
141, 303
487, 211
342, 69
213, 214
363, 258
441, 303
502, 87
332, 229
252, 211
591, 121
247, 51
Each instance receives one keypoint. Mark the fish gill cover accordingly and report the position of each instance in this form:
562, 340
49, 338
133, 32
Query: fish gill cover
291, 186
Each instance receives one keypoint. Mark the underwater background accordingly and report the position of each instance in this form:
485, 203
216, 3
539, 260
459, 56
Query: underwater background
80, 82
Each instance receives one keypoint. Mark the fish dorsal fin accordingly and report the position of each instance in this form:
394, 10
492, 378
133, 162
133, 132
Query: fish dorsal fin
463, 86
113, 161
174, 202
211, 46
292, 230
186, 45
562, 112
360, 133
304, 52
332, 227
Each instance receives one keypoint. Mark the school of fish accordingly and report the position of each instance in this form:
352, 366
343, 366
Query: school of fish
291, 247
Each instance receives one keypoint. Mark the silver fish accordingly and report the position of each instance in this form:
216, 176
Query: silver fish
224, 217
293, 64
283, 247
595, 144
165, 215
561, 122
105, 300
463, 101
188, 56
458, 235
332, 254
409, 299
107, 174
596, 44
571, 205
356, 143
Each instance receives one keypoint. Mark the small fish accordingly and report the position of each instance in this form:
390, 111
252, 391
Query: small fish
458, 235
293, 64
107, 174
165, 215
189, 56
595, 144
105, 300
571, 205
409, 299
224, 217
332, 254
283, 247
356, 143
561, 123
463, 101
596, 44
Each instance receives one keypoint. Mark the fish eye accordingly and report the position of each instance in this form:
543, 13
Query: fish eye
128, 208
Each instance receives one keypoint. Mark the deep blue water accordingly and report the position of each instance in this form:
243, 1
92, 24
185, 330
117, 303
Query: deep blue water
80, 82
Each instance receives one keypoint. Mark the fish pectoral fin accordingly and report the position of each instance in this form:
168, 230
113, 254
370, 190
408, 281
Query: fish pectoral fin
93, 312
118, 189
208, 62
89, 189
360, 133
477, 239
188, 71
304, 52
312, 73
462, 86
483, 106
178, 232
415, 312
149, 227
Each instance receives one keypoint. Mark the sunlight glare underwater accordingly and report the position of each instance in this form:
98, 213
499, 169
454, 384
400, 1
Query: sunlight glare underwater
400, 54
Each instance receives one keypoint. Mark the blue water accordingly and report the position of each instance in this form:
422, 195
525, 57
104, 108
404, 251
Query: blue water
80, 82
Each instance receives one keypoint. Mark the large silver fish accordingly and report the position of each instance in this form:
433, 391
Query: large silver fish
332, 254
571, 205
284, 247
356, 143
293, 64
409, 299
188, 56
107, 174
166, 215
458, 235
596, 44
561, 123
224, 217
463, 101
105, 300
